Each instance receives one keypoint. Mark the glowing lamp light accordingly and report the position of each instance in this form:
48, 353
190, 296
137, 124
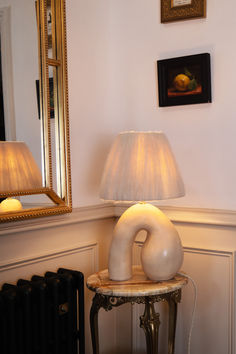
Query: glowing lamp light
10, 204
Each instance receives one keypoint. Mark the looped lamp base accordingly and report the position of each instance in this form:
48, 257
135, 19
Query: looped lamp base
161, 254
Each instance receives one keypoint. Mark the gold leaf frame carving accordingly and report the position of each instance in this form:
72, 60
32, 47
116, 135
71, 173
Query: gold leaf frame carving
170, 13
62, 202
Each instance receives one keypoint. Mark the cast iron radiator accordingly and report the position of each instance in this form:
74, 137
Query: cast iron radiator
44, 315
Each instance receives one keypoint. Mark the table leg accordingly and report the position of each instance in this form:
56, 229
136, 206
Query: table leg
150, 323
172, 302
96, 305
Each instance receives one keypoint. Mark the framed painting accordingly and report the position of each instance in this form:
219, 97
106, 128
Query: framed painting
177, 10
184, 80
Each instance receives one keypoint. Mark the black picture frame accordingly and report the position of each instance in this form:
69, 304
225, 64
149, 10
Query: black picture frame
51, 94
184, 80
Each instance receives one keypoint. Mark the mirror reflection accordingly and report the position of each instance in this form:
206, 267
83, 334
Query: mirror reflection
33, 99
20, 72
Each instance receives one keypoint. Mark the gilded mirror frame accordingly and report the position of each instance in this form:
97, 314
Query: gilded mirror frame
61, 195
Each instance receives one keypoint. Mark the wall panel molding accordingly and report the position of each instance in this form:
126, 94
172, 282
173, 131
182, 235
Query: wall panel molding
78, 215
46, 256
81, 256
213, 271
193, 215
108, 210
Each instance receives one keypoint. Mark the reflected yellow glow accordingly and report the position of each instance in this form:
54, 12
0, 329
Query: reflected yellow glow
10, 204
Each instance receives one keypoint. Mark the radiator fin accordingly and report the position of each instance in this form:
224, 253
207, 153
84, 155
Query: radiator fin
44, 315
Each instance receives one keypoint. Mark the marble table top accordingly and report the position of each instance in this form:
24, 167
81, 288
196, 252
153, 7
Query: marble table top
138, 285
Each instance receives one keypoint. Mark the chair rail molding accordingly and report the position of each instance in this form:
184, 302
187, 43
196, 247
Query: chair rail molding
78, 215
192, 215
109, 210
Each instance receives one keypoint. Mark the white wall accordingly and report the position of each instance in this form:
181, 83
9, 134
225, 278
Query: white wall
113, 47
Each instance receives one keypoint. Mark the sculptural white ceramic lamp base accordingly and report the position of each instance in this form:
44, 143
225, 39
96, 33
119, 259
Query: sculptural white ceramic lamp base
161, 254
141, 167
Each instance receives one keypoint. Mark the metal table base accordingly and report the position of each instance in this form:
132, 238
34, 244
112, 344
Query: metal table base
149, 321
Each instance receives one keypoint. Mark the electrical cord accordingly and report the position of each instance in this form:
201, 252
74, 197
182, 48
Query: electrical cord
194, 309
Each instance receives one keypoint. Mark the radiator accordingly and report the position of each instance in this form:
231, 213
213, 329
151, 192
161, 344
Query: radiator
44, 315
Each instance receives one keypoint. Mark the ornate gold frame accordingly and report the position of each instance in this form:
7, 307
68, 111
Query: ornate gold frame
63, 202
170, 13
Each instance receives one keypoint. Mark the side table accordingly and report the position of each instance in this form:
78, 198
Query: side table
139, 289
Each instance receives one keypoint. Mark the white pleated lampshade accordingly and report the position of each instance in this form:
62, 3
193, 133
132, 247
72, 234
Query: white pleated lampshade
141, 167
18, 169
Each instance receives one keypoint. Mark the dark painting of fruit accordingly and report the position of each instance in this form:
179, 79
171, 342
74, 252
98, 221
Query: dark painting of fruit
184, 80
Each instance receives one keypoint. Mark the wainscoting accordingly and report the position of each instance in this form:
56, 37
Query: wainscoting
81, 241
68, 257
214, 323
73, 242
80, 257
209, 241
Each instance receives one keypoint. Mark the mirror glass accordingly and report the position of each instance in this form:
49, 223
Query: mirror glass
33, 99
20, 73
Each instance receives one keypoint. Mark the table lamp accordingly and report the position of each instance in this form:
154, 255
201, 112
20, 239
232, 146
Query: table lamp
141, 167
18, 172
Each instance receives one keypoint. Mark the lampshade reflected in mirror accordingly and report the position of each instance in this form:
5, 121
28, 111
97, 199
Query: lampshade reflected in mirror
18, 172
